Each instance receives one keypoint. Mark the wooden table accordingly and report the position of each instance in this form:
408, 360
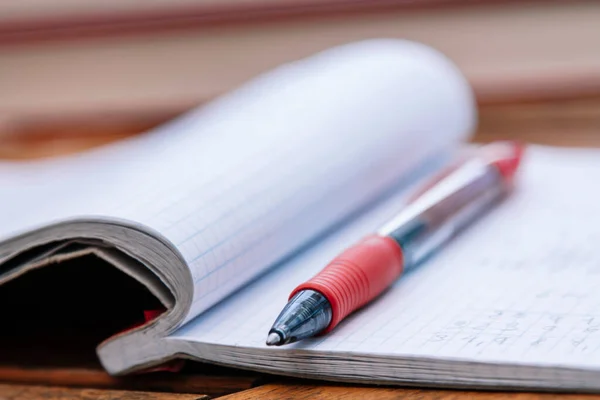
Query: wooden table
564, 122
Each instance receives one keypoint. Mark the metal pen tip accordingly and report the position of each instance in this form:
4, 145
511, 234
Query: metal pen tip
273, 339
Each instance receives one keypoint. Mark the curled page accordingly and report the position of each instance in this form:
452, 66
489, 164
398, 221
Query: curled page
245, 181
300, 148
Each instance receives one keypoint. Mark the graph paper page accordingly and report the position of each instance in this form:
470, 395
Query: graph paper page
520, 285
243, 182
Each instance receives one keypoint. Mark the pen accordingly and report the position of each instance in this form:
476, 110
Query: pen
362, 272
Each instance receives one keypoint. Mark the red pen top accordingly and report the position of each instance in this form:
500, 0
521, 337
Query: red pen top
505, 156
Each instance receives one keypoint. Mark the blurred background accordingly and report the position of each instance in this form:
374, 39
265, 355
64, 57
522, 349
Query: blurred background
75, 74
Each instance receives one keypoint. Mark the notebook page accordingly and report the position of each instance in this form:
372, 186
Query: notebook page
246, 180
521, 285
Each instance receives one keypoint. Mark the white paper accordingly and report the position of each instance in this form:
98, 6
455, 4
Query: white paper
245, 181
520, 286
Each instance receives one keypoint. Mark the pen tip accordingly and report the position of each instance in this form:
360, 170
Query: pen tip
273, 339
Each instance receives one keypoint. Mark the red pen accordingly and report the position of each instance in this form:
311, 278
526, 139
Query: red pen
362, 272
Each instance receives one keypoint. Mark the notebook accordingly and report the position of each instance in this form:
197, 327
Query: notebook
221, 212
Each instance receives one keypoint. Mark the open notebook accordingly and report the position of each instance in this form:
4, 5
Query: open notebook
222, 211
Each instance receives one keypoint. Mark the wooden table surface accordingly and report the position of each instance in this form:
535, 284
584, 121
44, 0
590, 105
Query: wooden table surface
566, 122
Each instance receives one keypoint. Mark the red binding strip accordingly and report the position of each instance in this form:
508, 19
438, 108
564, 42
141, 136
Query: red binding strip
169, 366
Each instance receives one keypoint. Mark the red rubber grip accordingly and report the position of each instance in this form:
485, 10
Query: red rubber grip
357, 276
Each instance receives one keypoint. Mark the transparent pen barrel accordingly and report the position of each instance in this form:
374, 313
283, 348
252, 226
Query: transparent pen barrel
435, 217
